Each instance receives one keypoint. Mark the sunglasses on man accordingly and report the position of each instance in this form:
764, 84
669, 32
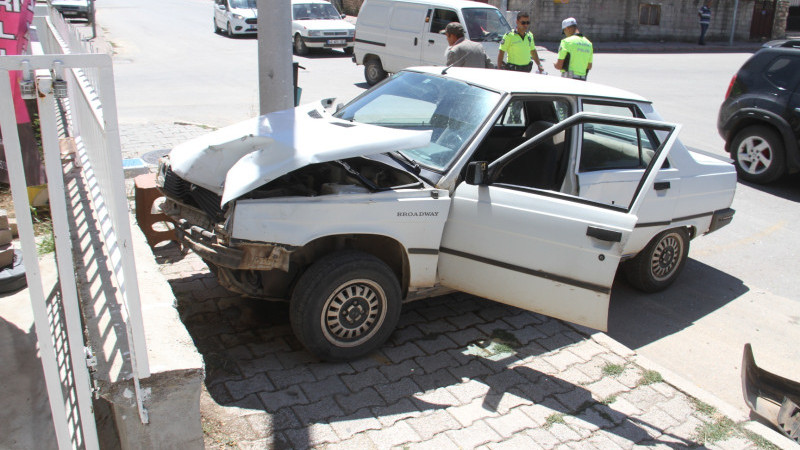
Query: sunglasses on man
523, 22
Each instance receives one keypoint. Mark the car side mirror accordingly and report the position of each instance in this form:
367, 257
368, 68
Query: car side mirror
477, 173
344, 15
339, 106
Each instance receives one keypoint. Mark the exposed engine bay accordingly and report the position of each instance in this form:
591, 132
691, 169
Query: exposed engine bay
261, 269
353, 175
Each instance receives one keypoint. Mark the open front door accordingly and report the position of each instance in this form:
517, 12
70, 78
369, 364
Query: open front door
517, 239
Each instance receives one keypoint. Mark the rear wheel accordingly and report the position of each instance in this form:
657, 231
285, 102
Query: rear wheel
348, 51
373, 71
217, 29
300, 47
660, 263
345, 305
759, 154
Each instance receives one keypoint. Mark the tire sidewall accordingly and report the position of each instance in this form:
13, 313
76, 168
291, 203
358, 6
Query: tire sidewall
639, 272
298, 45
775, 169
316, 286
373, 72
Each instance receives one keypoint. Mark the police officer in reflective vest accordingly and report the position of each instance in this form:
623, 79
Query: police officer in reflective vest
575, 52
520, 47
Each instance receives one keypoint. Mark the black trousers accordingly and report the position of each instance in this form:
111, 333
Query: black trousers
516, 68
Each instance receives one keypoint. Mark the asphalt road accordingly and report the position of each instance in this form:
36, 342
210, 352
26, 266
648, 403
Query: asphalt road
741, 284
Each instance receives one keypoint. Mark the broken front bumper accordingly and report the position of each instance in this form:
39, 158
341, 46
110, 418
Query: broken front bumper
772, 397
243, 255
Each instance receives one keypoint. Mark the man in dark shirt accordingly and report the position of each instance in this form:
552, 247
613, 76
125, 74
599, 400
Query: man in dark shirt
704, 13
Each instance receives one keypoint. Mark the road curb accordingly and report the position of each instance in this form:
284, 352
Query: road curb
692, 390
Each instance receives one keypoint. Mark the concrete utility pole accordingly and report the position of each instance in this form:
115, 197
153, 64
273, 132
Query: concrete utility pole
733, 25
275, 89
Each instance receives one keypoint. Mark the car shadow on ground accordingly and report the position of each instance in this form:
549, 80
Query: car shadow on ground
786, 187
453, 360
322, 53
637, 319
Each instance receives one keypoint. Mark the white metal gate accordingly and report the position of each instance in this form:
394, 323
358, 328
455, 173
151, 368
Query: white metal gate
86, 83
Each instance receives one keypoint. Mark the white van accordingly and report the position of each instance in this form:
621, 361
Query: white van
394, 34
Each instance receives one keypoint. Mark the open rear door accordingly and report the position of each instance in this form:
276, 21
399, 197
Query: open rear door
517, 239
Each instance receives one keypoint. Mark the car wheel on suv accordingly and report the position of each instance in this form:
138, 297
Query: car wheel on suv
759, 116
758, 152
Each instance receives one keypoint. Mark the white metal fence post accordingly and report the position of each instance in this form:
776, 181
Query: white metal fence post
16, 172
63, 243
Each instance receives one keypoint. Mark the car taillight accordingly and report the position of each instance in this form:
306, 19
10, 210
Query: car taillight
730, 87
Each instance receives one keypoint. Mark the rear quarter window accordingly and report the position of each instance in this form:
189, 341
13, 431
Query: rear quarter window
783, 72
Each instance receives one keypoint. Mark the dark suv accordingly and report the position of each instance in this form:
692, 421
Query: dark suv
760, 117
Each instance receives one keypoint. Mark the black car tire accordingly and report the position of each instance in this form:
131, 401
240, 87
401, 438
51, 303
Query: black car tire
345, 305
300, 47
217, 30
348, 50
762, 143
660, 262
229, 30
12, 277
373, 71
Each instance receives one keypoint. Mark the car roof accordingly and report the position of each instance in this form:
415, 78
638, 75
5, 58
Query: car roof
455, 4
521, 82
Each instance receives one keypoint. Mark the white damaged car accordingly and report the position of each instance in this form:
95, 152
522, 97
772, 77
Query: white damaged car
527, 190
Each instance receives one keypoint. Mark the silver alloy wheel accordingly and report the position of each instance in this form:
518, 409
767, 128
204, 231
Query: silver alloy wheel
353, 313
666, 256
754, 155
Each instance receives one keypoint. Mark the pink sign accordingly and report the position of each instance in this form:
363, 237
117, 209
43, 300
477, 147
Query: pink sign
15, 17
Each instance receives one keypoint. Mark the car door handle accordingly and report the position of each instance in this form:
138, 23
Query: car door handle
415, 42
430, 41
661, 185
603, 234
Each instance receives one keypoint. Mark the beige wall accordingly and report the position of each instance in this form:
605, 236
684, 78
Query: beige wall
618, 20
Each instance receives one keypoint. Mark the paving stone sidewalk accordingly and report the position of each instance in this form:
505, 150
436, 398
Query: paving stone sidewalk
459, 372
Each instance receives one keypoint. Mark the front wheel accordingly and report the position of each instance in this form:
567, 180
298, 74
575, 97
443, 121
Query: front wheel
660, 263
373, 71
300, 47
230, 30
345, 305
758, 153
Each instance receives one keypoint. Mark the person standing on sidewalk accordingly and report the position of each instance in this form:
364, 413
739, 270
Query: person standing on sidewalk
463, 52
575, 52
520, 46
704, 13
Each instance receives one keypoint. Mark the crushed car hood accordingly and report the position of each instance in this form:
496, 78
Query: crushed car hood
234, 160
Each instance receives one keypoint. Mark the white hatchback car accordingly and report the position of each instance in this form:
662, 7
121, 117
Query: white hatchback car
525, 189
235, 17
317, 24
72, 8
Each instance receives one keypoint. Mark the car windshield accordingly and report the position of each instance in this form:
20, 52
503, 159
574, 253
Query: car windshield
243, 4
452, 110
308, 11
485, 24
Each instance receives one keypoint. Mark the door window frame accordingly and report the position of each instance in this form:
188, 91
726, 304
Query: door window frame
577, 121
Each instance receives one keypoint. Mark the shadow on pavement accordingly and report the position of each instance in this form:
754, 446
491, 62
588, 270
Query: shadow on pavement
455, 363
786, 187
25, 420
637, 319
